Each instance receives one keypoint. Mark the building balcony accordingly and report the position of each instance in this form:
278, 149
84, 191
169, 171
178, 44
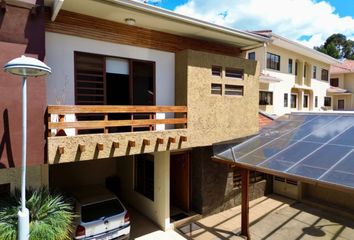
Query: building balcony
82, 132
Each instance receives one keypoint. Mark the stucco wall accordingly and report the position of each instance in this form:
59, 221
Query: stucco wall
216, 118
60, 56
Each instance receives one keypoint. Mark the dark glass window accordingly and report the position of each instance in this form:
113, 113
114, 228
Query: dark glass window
324, 75
144, 175
334, 82
105, 209
286, 99
295, 68
316, 101
305, 70
216, 71
314, 72
290, 66
234, 73
234, 90
252, 56
293, 101
306, 101
216, 89
273, 61
265, 98
327, 101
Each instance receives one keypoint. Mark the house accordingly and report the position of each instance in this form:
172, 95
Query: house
342, 85
136, 99
292, 77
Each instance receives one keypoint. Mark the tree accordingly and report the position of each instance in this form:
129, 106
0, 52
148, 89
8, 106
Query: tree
338, 46
50, 216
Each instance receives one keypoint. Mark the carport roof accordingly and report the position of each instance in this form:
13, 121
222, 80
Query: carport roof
316, 148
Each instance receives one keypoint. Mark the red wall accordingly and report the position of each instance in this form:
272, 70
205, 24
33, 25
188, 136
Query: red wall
21, 32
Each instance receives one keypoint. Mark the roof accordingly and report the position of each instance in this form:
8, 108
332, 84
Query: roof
156, 18
347, 66
337, 90
312, 147
294, 46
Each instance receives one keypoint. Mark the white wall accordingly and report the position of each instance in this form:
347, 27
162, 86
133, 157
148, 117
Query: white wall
60, 57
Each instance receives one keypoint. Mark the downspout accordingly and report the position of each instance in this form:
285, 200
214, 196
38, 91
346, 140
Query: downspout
56, 8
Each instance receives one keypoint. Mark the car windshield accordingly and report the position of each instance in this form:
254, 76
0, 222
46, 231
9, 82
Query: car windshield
99, 210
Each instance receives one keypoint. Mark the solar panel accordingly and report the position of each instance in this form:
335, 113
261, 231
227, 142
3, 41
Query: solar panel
318, 147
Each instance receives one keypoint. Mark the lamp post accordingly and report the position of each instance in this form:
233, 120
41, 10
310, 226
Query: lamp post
25, 67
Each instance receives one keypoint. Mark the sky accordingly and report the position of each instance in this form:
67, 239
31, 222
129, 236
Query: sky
309, 22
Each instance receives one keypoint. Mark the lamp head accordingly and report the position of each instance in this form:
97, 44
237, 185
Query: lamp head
27, 67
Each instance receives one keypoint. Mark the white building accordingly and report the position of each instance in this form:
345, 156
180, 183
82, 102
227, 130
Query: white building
293, 77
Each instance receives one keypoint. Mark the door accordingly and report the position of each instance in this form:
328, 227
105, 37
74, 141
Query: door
341, 104
180, 181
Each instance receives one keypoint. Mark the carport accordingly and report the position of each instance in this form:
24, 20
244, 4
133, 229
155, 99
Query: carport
314, 148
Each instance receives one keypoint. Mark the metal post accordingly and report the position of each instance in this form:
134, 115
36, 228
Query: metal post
245, 231
23, 213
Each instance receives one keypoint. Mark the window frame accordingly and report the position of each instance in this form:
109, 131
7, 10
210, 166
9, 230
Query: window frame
271, 61
143, 159
213, 91
266, 101
296, 99
290, 66
251, 54
227, 90
216, 67
334, 79
314, 72
330, 101
316, 101
237, 70
307, 102
324, 75
286, 100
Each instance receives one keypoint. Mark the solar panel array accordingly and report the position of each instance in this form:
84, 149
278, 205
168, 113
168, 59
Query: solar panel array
317, 147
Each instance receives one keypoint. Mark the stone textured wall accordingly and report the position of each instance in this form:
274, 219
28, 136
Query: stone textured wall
215, 118
212, 184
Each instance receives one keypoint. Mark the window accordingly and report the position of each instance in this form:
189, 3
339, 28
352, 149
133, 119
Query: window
295, 68
252, 56
316, 101
314, 72
306, 101
293, 101
233, 90
286, 99
234, 73
144, 175
327, 101
334, 82
324, 75
253, 178
290, 66
216, 71
273, 61
216, 89
265, 98
305, 70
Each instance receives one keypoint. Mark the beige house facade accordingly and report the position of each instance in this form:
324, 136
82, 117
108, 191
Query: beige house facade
342, 85
292, 76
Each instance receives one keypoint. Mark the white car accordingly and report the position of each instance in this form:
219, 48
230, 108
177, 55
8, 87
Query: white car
102, 216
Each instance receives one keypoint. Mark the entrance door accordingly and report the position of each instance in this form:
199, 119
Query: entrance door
180, 181
341, 104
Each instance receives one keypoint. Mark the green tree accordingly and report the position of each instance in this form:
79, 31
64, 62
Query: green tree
337, 46
50, 216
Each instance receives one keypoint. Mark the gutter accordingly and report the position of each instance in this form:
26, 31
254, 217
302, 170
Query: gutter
175, 16
57, 4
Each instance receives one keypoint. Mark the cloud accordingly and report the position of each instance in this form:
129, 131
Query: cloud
292, 19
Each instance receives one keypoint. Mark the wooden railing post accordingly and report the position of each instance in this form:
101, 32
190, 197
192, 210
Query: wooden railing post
106, 120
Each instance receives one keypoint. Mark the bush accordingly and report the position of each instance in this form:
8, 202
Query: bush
51, 215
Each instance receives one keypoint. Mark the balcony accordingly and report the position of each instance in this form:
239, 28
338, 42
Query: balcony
82, 132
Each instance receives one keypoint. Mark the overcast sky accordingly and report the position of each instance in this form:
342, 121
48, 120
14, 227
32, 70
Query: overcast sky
307, 21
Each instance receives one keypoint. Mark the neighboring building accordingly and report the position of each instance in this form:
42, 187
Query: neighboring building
342, 85
184, 87
292, 77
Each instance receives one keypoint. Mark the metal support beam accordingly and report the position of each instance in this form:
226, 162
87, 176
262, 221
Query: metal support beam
245, 204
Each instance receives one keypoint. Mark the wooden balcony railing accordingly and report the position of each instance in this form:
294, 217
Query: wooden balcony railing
109, 118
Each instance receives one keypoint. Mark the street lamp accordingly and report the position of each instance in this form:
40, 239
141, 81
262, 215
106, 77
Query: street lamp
25, 67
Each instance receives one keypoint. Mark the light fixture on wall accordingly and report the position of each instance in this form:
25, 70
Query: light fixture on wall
25, 67
130, 21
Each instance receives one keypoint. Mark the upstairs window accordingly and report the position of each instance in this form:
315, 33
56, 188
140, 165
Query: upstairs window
305, 70
290, 66
234, 73
216, 71
334, 82
295, 68
273, 61
324, 75
314, 72
252, 56
265, 98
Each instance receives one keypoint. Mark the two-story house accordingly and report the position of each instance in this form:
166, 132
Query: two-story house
342, 85
136, 99
292, 77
